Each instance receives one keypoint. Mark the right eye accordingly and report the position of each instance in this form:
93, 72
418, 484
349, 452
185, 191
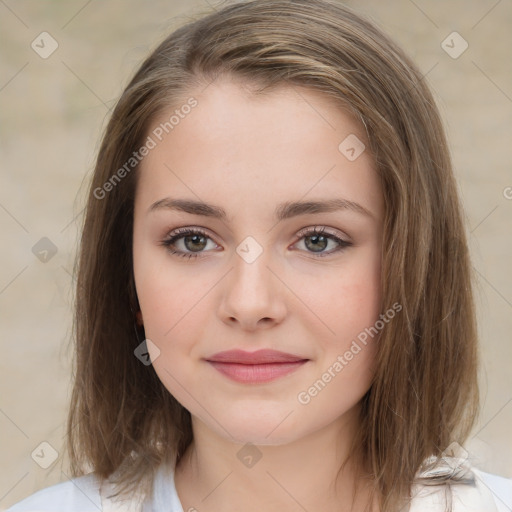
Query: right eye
191, 237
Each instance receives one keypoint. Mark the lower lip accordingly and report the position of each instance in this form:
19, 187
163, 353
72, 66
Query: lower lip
256, 373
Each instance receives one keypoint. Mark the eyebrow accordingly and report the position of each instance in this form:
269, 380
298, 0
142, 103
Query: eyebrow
283, 211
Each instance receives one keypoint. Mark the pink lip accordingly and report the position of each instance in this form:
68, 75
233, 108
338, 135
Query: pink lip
253, 367
259, 357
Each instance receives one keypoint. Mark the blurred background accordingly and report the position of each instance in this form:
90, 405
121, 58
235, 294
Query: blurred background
63, 66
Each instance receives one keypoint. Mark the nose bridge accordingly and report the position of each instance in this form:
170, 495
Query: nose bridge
252, 291
251, 273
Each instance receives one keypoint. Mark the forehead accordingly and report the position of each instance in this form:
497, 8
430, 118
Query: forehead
242, 148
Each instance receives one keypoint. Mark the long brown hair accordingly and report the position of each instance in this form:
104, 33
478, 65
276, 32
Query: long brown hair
424, 395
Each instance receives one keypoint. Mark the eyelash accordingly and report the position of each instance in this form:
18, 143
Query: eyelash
184, 232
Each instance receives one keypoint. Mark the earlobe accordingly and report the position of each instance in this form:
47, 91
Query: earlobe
139, 318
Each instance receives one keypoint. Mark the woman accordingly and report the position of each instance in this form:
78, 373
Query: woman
274, 210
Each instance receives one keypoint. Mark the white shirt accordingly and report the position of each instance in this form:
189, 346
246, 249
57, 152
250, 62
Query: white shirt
82, 494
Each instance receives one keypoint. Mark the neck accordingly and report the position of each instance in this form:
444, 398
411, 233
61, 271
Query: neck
218, 474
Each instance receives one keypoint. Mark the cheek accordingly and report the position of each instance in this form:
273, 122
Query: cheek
349, 300
174, 319
346, 367
167, 292
334, 392
170, 305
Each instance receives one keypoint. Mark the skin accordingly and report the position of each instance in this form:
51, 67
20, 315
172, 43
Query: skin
249, 154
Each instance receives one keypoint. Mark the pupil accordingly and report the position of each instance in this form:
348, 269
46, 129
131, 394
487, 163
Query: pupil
315, 239
195, 238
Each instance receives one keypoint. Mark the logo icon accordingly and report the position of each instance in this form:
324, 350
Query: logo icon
45, 455
44, 249
454, 45
147, 352
249, 455
351, 147
44, 45
249, 250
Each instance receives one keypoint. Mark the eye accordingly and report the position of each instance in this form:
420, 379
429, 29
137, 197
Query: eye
318, 239
196, 240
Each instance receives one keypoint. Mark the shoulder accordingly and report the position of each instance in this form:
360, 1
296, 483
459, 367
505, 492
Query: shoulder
482, 491
79, 494
500, 488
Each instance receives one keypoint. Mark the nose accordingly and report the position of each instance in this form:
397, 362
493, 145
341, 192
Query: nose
253, 295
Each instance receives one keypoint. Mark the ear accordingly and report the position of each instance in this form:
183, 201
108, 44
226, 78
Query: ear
139, 318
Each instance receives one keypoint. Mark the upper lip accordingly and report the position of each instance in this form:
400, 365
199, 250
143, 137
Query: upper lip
263, 356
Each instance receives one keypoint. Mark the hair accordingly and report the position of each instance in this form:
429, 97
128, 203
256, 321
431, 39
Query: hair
424, 394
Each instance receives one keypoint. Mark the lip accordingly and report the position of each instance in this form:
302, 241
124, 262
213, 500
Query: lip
255, 367
263, 356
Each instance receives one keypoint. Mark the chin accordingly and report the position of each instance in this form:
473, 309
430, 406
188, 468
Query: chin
265, 429
259, 438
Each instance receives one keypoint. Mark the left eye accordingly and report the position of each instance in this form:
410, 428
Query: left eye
319, 239
196, 240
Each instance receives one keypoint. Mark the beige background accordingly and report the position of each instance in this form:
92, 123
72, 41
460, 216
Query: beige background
52, 112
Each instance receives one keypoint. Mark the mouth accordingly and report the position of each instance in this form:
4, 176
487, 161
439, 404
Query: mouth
255, 367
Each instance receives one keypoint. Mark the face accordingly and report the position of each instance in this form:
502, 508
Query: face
303, 281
